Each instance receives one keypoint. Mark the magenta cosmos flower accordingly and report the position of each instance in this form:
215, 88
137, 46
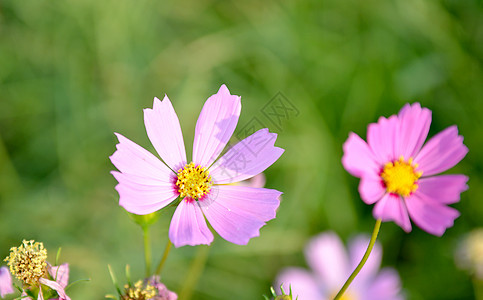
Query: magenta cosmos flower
332, 265
146, 184
398, 173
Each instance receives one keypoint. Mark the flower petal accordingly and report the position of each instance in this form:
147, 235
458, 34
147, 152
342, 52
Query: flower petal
441, 152
385, 286
381, 137
392, 208
215, 126
237, 213
139, 195
188, 226
357, 248
371, 189
60, 274
6, 286
131, 158
358, 158
257, 181
164, 132
429, 215
445, 189
303, 284
247, 158
55, 286
327, 256
414, 123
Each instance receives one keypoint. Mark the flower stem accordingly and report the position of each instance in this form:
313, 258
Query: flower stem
163, 259
195, 272
363, 261
147, 250
478, 288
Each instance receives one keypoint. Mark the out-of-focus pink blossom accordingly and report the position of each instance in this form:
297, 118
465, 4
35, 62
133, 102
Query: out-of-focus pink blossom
162, 291
6, 286
331, 266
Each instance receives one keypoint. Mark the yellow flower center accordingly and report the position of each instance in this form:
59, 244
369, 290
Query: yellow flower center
400, 177
139, 291
28, 262
193, 181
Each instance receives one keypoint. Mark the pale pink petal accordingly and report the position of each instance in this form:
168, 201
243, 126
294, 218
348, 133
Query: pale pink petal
131, 158
188, 226
247, 158
327, 256
141, 195
385, 286
430, 215
371, 189
164, 132
257, 181
6, 286
237, 213
55, 286
303, 284
392, 208
444, 189
381, 137
215, 126
60, 274
441, 152
40, 296
414, 123
357, 248
358, 158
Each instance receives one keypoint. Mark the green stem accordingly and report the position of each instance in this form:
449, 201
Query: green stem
165, 256
147, 250
363, 261
194, 273
478, 288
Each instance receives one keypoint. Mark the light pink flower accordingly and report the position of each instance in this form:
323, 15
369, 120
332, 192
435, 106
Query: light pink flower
398, 173
6, 286
146, 184
60, 274
163, 292
332, 265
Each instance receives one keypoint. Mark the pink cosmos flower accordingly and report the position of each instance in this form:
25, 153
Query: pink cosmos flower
146, 184
398, 173
60, 274
332, 265
6, 286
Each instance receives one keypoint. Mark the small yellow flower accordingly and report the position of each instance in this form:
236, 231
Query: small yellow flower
28, 262
139, 291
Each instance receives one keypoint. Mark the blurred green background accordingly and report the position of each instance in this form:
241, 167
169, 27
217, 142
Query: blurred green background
74, 72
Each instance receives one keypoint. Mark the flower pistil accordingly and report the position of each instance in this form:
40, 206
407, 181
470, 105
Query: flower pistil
139, 291
193, 181
28, 262
400, 176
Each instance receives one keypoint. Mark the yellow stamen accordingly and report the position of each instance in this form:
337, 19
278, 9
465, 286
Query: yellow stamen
139, 291
28, 262
400, 177
193, 181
